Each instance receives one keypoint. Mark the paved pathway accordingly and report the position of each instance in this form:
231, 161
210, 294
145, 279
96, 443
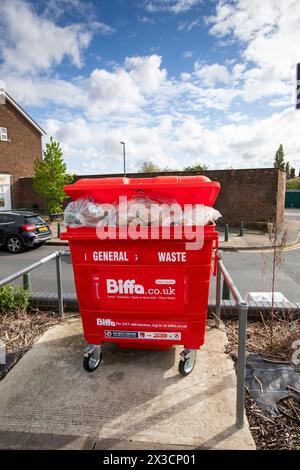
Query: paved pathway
136, 399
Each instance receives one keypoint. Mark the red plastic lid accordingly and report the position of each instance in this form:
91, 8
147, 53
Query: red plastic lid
183, 189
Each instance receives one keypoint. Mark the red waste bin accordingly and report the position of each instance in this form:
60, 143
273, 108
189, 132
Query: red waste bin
144, 293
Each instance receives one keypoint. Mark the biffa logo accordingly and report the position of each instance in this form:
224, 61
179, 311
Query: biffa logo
105, 322
123, 287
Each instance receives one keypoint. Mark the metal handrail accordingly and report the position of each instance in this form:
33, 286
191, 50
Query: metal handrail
21, 272
242, 308
55, 255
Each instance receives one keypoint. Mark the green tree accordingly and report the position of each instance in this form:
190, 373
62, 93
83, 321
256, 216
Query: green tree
196, 167
279, 158
288, 168
51, 176
293, 173
149, 167
293, 183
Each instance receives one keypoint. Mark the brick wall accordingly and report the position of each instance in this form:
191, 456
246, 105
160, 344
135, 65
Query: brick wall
17, 156
29, 197
255, 196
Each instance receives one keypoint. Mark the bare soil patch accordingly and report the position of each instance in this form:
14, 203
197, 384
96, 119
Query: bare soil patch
280, 432
20, 330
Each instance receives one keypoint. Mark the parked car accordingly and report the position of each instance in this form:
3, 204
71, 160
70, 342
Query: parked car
20, 229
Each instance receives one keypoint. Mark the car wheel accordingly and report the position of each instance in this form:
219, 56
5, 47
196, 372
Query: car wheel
14, 244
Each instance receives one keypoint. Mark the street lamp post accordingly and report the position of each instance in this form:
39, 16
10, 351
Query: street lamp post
124, 157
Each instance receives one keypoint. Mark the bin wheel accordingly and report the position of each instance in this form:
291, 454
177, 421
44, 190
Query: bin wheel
187, 362
92, 361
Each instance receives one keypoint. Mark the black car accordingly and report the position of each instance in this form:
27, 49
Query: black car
20, 229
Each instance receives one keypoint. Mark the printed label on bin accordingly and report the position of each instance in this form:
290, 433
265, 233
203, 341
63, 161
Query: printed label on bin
134, 256
144, 289
118, 289
121, 334
110, 256
156, 335
141, 324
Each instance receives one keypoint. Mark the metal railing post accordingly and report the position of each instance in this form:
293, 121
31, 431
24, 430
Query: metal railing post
226, 233
59, 286
26, 282
241, 364
225, 291
242, 229
218, 292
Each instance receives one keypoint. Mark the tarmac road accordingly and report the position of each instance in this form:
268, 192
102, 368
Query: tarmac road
250, 270
43, 279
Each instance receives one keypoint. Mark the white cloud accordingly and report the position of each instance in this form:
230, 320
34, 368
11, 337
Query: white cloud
269, 34
101, 28
210, 75
188, 54
32, 43
39, 91
244, 19
174, 6
146, 72
256, 143
189, 25
111, 92
186, 77
126, 89
177, 142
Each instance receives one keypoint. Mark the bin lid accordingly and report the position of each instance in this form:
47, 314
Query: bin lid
183, 189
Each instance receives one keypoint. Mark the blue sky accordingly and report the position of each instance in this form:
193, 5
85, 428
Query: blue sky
180, 81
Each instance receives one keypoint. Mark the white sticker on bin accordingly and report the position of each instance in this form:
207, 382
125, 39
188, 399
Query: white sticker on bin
166, 282
153, 335
159, 335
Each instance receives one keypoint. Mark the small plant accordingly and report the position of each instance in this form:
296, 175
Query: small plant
277, 234
21, 298
13, 299
6, 299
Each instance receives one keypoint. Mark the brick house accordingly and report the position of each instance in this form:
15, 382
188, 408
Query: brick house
20, 146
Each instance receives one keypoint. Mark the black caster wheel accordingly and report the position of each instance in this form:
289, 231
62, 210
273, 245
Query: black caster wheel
92, 360
187, 362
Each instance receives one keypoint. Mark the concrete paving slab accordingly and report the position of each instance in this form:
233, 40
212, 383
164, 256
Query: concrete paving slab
12, 440
135, 396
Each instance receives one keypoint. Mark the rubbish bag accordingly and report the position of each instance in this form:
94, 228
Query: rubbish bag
138, 210
86, 213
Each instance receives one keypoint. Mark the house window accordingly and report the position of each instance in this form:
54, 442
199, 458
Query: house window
3, 133
2, 199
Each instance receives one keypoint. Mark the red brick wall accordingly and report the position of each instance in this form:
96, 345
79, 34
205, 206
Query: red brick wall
28, 196
17, 156
254, 196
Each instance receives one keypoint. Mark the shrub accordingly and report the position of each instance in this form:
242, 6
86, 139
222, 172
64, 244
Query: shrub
293, 183
13, 298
